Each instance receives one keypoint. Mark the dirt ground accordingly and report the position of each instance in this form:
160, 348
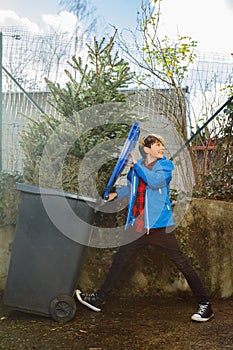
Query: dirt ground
140, 323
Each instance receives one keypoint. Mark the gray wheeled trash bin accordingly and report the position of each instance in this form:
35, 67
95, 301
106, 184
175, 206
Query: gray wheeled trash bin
45, 262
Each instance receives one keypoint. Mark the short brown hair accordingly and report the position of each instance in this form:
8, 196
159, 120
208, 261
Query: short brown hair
148, 141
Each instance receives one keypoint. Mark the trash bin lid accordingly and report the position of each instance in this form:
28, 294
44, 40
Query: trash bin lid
24, 187
124, 156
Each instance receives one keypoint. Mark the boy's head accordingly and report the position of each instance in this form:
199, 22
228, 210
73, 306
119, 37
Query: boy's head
148, 141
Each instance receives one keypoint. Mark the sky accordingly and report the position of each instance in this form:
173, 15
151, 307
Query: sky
210, 22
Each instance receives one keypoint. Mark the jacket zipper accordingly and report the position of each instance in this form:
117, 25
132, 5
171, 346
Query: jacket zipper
147, 214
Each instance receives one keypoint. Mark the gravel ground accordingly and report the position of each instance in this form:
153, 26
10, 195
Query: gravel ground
141, 323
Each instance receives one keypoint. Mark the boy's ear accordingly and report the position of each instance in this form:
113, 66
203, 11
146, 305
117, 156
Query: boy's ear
146, 149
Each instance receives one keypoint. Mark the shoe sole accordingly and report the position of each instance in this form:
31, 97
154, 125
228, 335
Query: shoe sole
200, 319
92, 307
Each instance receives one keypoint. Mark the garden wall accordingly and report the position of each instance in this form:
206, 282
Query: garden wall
9, 200
6, 238
205, 236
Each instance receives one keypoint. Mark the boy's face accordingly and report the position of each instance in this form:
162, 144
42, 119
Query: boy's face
156, 150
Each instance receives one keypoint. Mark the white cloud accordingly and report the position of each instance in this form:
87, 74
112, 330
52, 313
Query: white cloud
63, 22
10, 18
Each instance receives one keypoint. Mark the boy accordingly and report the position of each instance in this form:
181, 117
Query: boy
150, 217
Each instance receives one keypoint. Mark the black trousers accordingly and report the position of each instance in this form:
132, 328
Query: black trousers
168, 244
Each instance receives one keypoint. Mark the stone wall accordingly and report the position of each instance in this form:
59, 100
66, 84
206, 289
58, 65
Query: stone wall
9, 199
209, 229
206, 237
6, 238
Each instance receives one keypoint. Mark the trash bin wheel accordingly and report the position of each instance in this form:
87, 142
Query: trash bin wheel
63, 308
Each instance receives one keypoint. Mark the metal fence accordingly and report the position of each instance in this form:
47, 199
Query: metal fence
28, 58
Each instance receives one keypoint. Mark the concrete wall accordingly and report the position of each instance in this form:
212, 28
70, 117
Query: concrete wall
205, 236
209, 228
6, 238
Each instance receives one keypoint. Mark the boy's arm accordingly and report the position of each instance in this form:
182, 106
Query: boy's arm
154, 178
123, 192
120, 193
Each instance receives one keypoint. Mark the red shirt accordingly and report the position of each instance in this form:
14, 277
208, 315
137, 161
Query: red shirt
138, 209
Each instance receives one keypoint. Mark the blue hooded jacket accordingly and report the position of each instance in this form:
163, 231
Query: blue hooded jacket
157, 209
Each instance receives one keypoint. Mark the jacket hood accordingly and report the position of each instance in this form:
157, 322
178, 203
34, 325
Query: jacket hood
166, 164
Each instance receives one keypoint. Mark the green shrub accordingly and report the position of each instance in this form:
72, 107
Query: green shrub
97, 82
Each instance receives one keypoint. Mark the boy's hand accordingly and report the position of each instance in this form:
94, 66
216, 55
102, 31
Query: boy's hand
134, 160
112, 196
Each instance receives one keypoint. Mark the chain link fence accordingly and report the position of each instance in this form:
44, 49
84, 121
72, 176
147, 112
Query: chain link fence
28, 58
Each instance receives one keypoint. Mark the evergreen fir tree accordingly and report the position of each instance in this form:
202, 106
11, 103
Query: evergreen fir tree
94, 105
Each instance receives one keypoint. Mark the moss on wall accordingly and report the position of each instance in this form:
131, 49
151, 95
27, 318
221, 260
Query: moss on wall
205, 236
9, 198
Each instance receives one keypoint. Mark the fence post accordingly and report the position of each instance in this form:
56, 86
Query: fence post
0, 101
